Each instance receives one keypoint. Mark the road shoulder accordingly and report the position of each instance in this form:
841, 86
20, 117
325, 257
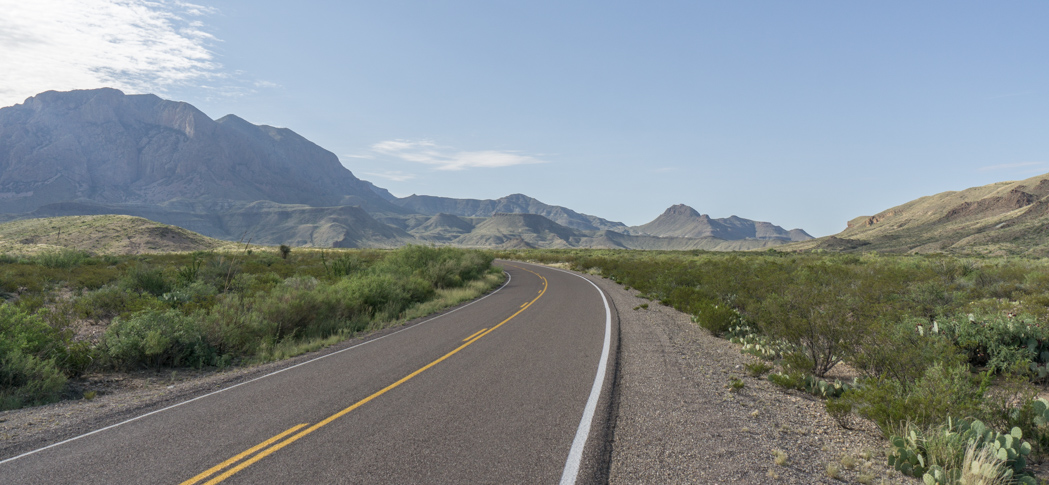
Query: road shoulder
678, 422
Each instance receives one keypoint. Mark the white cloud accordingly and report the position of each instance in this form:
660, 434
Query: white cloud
1012, 166
447, 158
396, 175
137, 46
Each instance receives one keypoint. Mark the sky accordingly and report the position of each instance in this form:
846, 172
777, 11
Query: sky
804, 114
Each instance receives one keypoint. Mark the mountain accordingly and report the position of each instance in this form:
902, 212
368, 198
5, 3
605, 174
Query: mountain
511, 204
683, 221
999, 218
104, 146
518, 231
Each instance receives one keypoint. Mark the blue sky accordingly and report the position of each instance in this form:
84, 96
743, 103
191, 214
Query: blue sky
804, 114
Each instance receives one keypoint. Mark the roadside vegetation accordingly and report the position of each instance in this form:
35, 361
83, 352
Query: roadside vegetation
950, 353
64, 312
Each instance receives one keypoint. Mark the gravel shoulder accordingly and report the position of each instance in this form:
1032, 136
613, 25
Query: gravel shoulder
678, 422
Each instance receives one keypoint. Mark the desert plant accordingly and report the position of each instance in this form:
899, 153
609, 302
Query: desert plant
285, 250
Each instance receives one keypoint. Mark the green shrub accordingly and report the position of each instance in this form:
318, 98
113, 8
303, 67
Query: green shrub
900, 351
717, 319
28, 373
942, 392
26, 380
157, 338
998, 341
110, 301
145, 279
61, 258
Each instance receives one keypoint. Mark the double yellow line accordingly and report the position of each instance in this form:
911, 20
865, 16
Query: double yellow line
277, 442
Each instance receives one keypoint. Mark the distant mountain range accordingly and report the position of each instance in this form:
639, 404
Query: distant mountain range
100, 151
997, 219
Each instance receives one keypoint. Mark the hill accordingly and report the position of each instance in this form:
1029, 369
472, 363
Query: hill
999, 218
511, 204
683, 221
510, 231
106, 234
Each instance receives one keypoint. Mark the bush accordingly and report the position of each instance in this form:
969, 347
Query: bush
717, 319
156, 338
144, 279
942, 392
900, 352
998, 341
61, 258
825, 312
26, 379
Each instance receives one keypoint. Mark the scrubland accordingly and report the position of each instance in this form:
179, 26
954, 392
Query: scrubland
65, 312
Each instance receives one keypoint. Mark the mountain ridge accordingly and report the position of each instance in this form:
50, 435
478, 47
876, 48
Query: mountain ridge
681, 220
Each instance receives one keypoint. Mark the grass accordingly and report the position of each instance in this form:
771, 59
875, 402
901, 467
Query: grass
779, 457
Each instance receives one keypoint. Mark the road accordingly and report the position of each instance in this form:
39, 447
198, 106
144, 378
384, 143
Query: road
499, 391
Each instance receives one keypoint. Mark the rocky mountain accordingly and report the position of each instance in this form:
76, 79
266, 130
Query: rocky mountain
511, 204
999, 218
683, 221
517, 231
104, 146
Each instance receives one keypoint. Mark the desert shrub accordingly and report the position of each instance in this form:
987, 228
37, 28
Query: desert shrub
234, 328
998, 341
826, 312
902, 351
27, 379
61, 258
942, 392
145, 279
110, 301
344, 265
196, 295
156, 338
28, 373
717, 319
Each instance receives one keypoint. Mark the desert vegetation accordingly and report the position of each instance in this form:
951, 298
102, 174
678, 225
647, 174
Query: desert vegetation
949, 353
65, 312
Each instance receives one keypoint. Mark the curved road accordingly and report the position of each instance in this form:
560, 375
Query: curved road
498, 391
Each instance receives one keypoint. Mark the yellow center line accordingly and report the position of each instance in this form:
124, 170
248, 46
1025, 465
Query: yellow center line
475, 334
268, 451
215, 469
523, 304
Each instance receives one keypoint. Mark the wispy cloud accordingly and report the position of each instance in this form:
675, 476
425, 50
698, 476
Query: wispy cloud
134, 45
1034, 166
396, 175
448, 158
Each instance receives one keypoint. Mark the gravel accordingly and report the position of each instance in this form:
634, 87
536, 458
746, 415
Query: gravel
678, 421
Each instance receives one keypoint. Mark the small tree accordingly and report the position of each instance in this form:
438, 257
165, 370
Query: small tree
285, 250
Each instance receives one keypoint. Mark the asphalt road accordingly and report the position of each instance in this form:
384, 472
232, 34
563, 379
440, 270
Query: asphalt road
494, 392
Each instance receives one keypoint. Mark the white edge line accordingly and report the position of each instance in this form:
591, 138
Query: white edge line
136, 418
575, 454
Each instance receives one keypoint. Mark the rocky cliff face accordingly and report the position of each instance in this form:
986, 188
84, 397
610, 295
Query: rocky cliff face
104, 146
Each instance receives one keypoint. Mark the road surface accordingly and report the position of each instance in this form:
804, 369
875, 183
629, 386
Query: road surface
513, 388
